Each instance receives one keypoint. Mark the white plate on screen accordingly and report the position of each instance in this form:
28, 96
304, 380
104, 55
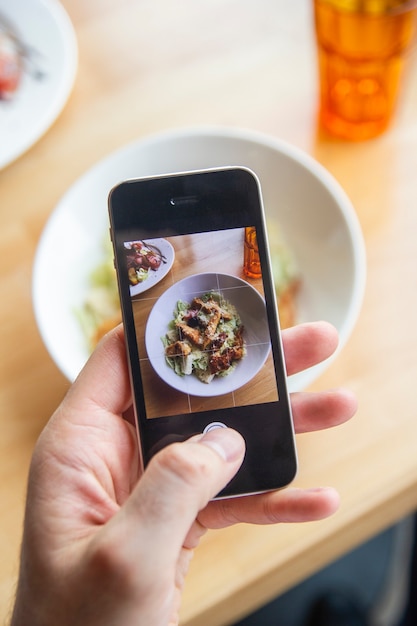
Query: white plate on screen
250, 307
166, 251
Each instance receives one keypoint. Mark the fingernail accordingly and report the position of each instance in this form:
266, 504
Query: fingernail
228, 443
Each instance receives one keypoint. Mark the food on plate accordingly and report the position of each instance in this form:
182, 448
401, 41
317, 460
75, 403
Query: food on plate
10, 62
100, 311
16, 58
205, 338
142, 258
286, 275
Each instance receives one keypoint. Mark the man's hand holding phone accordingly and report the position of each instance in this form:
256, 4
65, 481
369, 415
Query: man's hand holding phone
104, 544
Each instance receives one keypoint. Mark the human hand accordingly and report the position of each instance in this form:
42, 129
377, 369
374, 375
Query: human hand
104, 546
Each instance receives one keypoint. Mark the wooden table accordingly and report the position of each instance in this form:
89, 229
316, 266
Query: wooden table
148, 65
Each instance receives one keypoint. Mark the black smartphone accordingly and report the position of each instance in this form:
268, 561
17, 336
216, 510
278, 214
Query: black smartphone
200, 318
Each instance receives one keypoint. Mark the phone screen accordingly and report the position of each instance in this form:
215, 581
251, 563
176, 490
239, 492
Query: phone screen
202, 331
200, 316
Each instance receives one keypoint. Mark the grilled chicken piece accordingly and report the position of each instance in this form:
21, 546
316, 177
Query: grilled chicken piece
221, 361
210, 330
179, 348
215, 312
210, 307
193, 334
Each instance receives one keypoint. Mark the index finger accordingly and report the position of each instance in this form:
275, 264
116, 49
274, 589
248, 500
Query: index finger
307, 344
274, 507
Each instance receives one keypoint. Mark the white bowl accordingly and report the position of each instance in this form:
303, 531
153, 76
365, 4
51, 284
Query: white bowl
314, 213
251, 309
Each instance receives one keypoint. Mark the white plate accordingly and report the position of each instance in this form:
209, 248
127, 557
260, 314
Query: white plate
316, 216
44, 27
168, 256
251, 309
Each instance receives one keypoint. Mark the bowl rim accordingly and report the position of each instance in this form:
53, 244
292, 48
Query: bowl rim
211, 132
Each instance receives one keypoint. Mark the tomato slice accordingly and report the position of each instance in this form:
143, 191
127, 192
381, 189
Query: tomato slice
10, 67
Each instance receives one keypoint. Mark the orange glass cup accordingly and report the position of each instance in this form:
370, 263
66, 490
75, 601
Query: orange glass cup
363, 47
251, 260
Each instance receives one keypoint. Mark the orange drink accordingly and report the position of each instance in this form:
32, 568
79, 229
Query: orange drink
251, 260
362, 51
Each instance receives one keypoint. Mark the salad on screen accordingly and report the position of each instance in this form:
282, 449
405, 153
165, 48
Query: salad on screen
205, 338
100, 310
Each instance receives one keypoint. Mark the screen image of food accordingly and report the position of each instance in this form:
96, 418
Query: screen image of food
205, 337
99, 311
201, 325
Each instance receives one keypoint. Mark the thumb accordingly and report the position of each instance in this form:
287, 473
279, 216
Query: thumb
179, 481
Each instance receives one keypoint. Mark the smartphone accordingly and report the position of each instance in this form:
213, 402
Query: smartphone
200, 318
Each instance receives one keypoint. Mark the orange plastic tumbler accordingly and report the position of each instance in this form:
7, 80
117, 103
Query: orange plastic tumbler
363, 46
251, 260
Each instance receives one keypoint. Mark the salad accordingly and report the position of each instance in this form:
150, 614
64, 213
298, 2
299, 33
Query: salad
205, 338
141, 259
100, 311
286, 275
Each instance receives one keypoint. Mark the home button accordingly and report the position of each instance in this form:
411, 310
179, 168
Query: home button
213, 425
